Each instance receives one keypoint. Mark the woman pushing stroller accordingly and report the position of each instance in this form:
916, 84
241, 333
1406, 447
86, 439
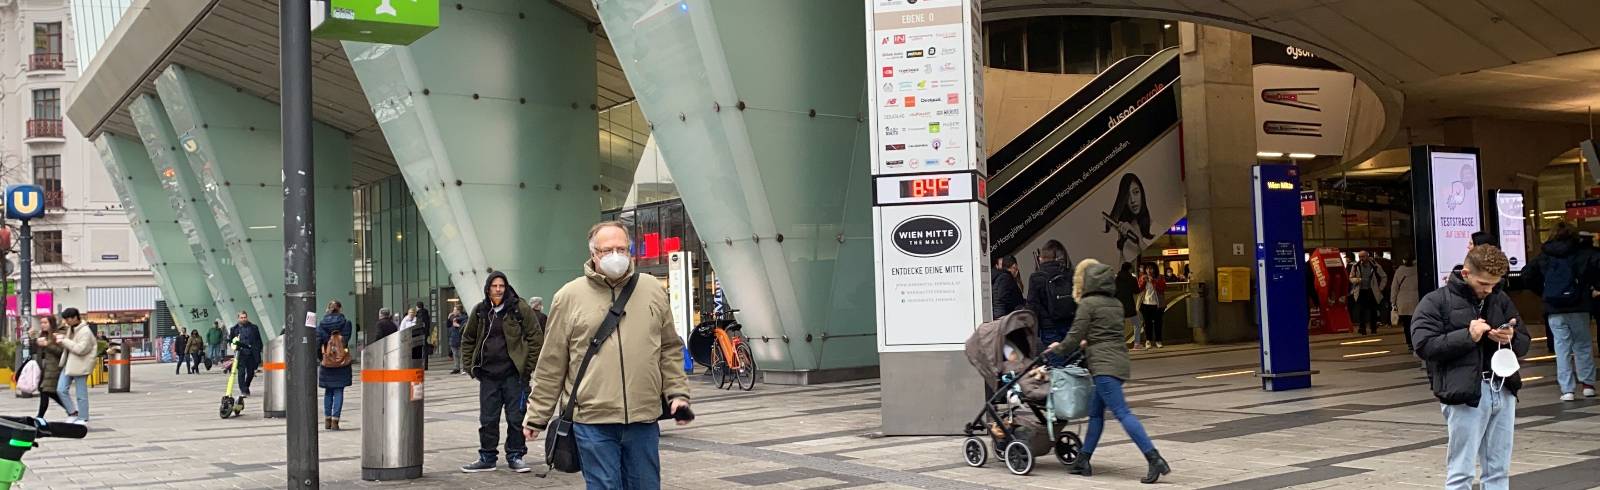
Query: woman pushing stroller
1098, 329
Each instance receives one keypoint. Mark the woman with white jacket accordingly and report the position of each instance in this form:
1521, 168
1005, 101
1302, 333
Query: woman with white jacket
1403, 295
80, 347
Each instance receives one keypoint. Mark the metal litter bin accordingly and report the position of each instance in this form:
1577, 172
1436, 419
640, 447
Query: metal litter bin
277, 378
391, 411
119, 367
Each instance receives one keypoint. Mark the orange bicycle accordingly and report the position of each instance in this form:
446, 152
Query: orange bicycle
713, 341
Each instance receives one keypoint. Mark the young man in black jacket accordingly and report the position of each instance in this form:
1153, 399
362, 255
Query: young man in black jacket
1007, 293
1050, 294
1456, 330
1563, 275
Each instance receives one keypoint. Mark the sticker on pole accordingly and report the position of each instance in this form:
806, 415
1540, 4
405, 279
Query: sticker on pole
311, 319
416, 391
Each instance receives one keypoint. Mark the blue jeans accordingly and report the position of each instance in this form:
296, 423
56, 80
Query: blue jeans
1573, 344
1480, 435
80, 385
620, 455
1049, 336
1108, 395
495, 395
332, 402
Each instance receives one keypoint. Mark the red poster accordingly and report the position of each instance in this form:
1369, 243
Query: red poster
1332, 283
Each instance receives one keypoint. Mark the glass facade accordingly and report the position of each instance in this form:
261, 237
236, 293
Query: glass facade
1072, 44
660, 228
397, 264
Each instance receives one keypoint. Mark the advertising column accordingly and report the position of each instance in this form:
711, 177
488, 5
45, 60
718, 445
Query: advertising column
680, 291
930, 217
1446, 196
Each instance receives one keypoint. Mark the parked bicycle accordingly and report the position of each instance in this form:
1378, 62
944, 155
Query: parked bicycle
721, 346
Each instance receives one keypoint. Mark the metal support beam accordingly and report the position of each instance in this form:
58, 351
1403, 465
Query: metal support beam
299, 254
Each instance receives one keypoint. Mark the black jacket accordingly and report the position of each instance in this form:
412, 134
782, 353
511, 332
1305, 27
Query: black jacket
1127, 289
1440, 335
1585, 268
1007, 294
1039, 296
249, 345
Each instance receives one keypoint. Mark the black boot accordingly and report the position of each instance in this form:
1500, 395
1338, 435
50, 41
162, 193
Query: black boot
1081, 466
1158, 467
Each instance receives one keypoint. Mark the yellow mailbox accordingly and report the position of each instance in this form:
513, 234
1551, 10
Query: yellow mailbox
1233, 284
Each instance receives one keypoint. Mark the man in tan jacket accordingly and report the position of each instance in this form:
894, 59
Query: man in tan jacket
635, 369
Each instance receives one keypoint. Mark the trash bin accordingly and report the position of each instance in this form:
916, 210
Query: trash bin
276, 402
120, 369
391, 407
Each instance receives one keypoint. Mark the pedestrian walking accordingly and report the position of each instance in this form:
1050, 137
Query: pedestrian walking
246, 339
1564, 275
637, 368
333, 353
537, 303
1152, 301
1004, 280
180, 351
1403, 293
194, 350
501, 347
49, 358
215, 350
1127, 294
1098, 331
457, 321
80, 345
1469, 334
1368, 281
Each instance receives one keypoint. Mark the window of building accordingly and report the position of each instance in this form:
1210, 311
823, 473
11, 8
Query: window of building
47, 104
47, 175
47, 246
1005, 39
1044, 45
47, 38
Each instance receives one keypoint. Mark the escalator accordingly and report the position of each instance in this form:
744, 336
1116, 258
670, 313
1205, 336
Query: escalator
1052, 181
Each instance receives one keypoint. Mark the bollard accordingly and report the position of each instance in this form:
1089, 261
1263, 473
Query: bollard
277, 379
391, 411
119, 371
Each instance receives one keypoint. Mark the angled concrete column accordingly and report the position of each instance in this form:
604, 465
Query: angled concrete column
156, 224
757, 107
231, 141
183, 194
490, 119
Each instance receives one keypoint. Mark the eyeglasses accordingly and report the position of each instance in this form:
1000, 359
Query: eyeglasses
603, 251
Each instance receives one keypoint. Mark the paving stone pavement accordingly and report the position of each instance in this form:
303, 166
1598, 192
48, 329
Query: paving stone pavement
1369, 422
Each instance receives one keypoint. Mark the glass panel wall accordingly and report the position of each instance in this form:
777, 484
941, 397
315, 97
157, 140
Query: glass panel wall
1072, 44
397, 263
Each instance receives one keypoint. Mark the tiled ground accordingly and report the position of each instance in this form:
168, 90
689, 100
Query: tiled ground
1368, 423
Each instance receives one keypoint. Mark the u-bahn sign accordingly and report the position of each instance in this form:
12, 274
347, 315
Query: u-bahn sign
24, 201
375, 21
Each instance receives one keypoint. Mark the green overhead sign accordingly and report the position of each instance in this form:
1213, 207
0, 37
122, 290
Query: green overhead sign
375, 21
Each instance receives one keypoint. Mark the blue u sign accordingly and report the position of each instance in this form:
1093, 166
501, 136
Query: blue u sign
24, 201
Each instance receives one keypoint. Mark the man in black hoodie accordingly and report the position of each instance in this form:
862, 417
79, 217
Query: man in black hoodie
1564, 275
1050, 294
1007, 294
1456, 330
500, 348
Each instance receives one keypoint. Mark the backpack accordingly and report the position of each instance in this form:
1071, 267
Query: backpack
29, 378
1561, 282
1058, 296
335, 354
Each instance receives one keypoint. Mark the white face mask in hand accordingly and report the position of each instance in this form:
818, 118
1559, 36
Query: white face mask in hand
614, 265
1504, 362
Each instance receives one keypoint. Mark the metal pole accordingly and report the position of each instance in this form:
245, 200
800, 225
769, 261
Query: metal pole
25, 287
300, 292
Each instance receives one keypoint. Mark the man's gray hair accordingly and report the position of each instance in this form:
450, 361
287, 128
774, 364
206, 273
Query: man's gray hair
385, 314
536, 302
603, 225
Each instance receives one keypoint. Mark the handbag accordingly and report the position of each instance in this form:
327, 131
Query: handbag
560, 445
29, 378
1070, 389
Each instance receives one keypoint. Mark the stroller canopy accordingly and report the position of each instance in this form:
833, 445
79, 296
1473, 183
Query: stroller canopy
986, 347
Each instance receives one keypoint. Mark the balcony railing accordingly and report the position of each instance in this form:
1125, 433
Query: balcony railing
44, 128
54, 200
44, 61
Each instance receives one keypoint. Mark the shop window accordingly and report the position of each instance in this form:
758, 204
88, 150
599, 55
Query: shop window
47, 246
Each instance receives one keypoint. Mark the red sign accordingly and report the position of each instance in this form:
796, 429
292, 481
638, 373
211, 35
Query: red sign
1585, 208
1308, 203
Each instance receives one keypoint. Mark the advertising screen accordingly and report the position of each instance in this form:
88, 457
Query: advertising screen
1456, 210
1509, 220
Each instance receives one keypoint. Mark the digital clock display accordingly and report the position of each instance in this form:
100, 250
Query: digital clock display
927, 187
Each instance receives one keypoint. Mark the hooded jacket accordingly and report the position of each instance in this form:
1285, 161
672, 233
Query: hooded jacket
512, 332
638, 366
1099, 321
1585, 269
1441, 336
338, 377
1007, 294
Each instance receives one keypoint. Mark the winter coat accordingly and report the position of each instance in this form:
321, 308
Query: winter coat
338, 377
80, 346
1128, 294
1039, 296
1404, 290
214, 336
515, 325
1585, 269
195, 345
639, 365
1007, 293
180, 345
1441, 336
246, 338
49, 357
1368, 275
1099, 321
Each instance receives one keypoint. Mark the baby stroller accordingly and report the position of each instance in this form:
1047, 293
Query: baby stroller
1004, 351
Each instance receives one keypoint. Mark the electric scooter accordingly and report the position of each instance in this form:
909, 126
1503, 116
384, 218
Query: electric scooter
231, 407
24, 433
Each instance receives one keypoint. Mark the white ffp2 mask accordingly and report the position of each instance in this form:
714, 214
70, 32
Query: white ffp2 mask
1504, 362
613, 265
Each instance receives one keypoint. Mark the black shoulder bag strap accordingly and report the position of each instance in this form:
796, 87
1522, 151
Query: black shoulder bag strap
561, 451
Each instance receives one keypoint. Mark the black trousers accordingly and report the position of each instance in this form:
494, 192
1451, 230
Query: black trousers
1152, 321
1367, 311
509, 395
246, 370
1405, 326
44, 402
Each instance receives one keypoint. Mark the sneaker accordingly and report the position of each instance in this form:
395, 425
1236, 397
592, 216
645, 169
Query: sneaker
1158, 345
478, 466
517, 465
79, 421
1588, 391
1567, 397
455, 371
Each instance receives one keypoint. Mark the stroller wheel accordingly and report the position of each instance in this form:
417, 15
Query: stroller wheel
227, 407
975, 451
1019, 459
1067, 445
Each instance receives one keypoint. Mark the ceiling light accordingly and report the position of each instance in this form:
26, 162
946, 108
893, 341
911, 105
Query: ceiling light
1166, 26
1269, 154
268, 227
1302, 156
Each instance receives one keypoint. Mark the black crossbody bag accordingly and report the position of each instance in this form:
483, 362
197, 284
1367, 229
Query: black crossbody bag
560, 445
